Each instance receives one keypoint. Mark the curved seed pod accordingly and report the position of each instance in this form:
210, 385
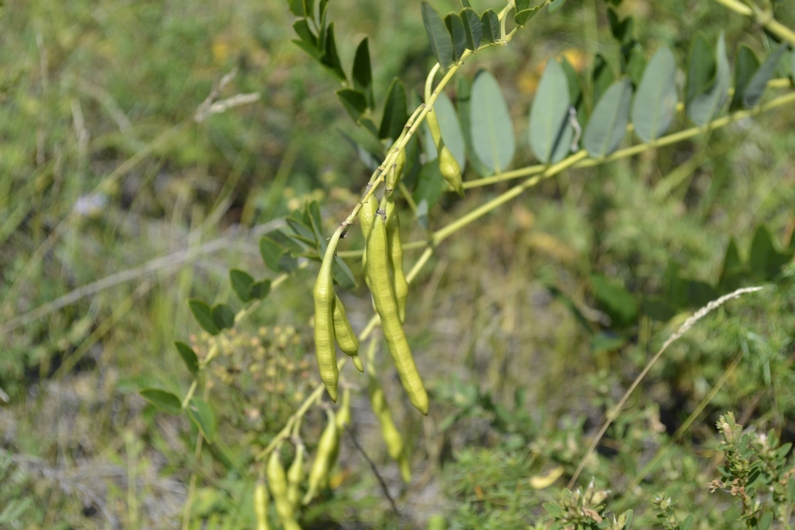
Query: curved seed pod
327, 445
277, 481
450, 170
323, 294
346, 338
392, 439
386, 306
295, 476
343, 419
448, 165
395, 251
261, 506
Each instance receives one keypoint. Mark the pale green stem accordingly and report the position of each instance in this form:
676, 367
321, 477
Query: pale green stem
765, 18
441, 235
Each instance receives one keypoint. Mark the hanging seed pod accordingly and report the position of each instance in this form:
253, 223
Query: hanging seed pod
389, 431
295, 476
277, 481
321, 467
395, 250
448, 165
346, 338
323, 295
386, 306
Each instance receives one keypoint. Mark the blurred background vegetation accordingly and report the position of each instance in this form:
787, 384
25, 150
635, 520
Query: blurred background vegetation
105, 176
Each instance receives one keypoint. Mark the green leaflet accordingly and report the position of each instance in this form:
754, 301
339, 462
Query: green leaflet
473, 28
756, 86
441, 42
188, 356
165, 401
362, 74
395, 111
608, 124
492, 130
223, 316
204, 316
549, 131
491, 26
707, 80
654, 106
456, 28
202, 415
745, 66
241, 283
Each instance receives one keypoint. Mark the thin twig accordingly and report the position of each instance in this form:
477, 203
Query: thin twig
614, 412
375, 471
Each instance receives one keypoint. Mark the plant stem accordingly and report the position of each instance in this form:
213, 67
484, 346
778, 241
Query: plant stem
441, 235
765, 18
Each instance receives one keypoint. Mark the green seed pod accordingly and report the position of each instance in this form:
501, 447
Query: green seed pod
395, 250
405, 466
261, 506
277, 481
343, 419
367, 215
344, 411
448, 165
295, 477
346, 338
321, 467
323, 294
386, 306
389, 432
450, 170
